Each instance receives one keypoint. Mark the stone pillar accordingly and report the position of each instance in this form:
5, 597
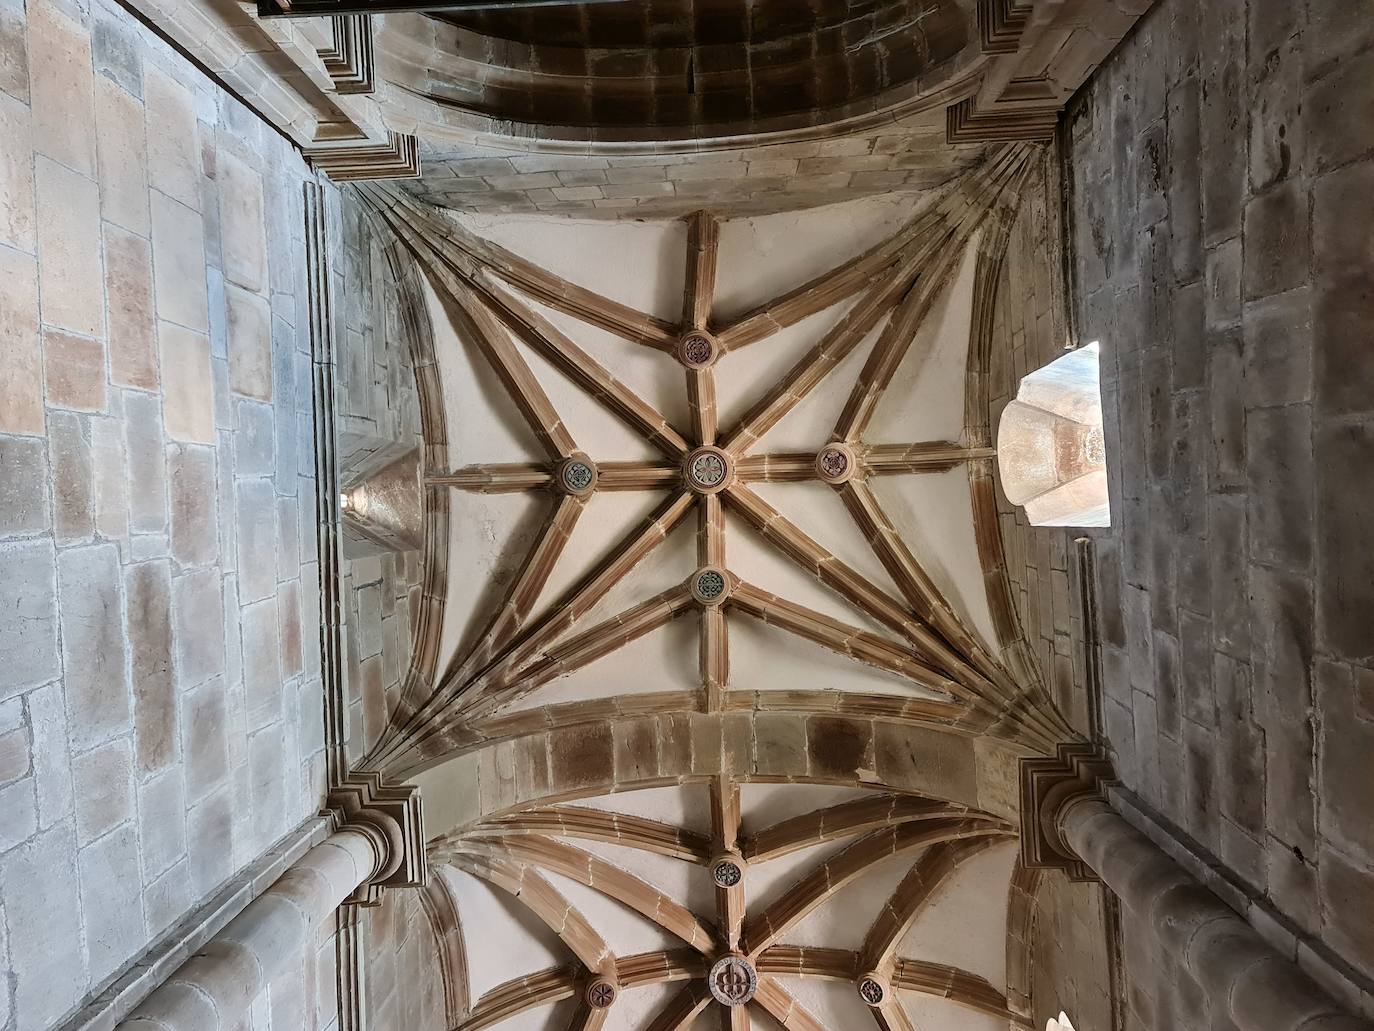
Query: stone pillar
379, 845
1067, 824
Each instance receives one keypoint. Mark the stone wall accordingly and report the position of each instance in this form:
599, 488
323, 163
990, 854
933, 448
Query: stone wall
1220, 221
160, 698
1070, 972
404, 989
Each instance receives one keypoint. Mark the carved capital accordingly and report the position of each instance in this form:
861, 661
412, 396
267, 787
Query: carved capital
389, 814
1049, 787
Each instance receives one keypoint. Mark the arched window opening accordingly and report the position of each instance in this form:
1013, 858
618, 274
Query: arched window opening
1050, 450
1061, 1024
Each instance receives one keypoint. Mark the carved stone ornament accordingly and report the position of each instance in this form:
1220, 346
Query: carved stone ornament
708, 470
577, 476
1048, 788
727, 871
390, 814
600, 994
710, 586
873, 990
697, 350
835, 463
732, 981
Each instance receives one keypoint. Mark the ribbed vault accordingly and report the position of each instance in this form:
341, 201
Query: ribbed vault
523, 782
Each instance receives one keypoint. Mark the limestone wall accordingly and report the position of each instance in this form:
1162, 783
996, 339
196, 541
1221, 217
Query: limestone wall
160, 699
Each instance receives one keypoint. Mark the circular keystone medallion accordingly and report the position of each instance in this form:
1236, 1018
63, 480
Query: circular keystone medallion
835, 463
600, 994
726, 872
708, 470
577, 475
872, 990
732, 981
697, 350
709, 585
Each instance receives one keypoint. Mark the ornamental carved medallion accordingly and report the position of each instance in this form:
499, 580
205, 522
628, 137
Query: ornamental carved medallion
600, 994
871, 990
696, 351
732, 981
726, 873
709, 586
708, 470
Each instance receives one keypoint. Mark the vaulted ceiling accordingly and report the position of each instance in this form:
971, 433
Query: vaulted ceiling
710, 703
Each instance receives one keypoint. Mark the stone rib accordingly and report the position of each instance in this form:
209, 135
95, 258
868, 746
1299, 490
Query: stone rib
703, 246
725, 822
926, 456
441, 910
846, 819
494, 478
519, 994
679, 1011
566, 821
778, 1002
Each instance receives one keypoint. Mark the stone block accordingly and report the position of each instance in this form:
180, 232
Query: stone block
133, 323
262, 679
69, 455
1279, 463
1184, 180
1339, 114
1226, 392
582, 758
21, 373
193, 503
1277, 252
198, 626
1223, 276
1278, 349
121, 145
17, 217
173, 143
147, 465
148, 589
14, 747
42, 910
1344, 575
249, 326
117, 53
255, 516
204, 728
52, 770
1347, 893
75, 371
1228, 561
188, 399
269, 758
162, 823
1335, 29
93, 642
70, 276
61, 87
1343, 307
166, 900
1223, 162
113, 907
243, 233
23, 487
179, 264
254, 439
210, 843
289, 612
103, 781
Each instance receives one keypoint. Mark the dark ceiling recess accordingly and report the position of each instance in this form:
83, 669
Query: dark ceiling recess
693, 67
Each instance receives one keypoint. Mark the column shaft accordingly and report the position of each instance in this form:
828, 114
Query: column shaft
1261, 990
213, 990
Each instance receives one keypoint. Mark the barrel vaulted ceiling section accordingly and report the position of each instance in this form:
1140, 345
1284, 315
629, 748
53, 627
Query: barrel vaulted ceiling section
716, 672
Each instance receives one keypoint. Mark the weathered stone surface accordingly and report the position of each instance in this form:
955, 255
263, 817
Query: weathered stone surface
116, 54
162, 823
244, 236
70, 273
51, 763
255, 514
103, 781
262, 678
18, 814
114, 920
253, 439
1344, 576
24, 504
74, 371
42, 909
188, 404
173, 145
198, 626
93, 652
69, 458
129, 293
1337, 107
148, 589
205, 726
250, 343
21, 374
179, 265
17, 228
210, 842
266, 750
193, 503
62, 86
122, 148
1277, 253
147, 466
